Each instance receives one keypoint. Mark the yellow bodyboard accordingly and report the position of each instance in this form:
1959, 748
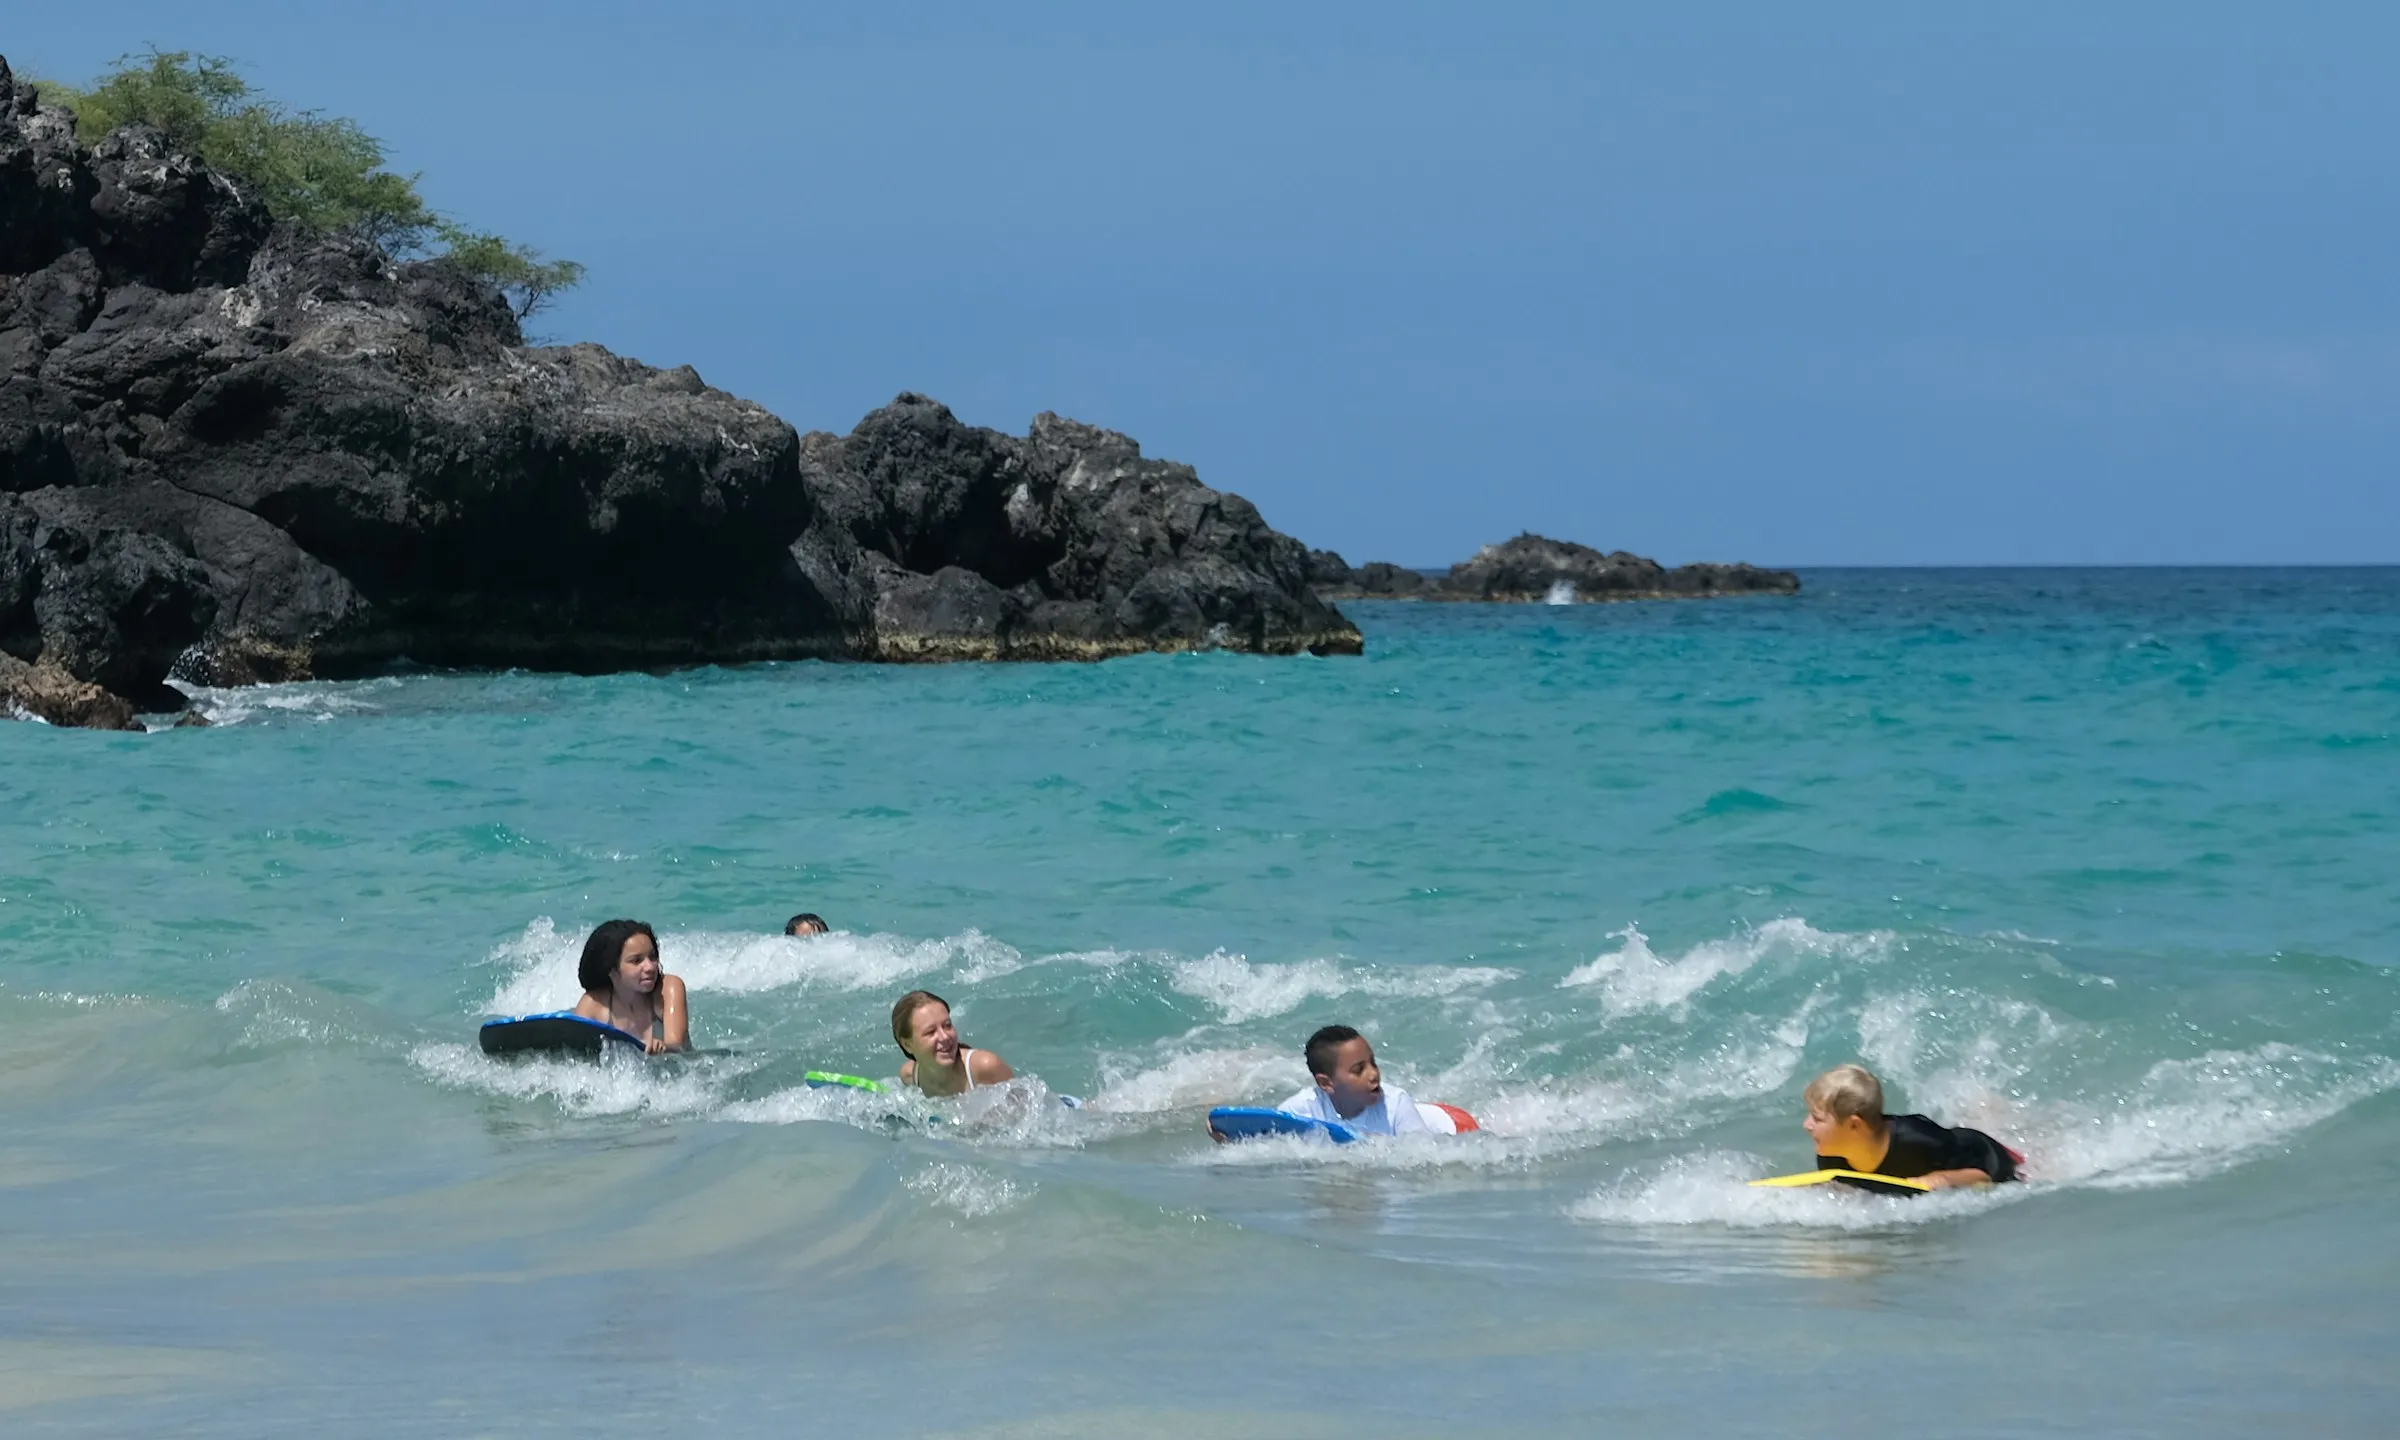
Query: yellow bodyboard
1825, 1177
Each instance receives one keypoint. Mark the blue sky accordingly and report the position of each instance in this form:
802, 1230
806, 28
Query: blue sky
1860, 284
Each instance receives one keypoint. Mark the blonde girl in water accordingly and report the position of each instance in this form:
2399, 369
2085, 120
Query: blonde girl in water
937, 1064
624, 986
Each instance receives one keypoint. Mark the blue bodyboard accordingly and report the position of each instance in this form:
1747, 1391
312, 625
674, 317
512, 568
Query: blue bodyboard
1248, 1122
561, 1032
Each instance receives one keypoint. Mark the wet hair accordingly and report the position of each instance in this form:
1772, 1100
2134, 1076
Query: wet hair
905, 1012
1845, 1091
1320, 1047
603, 950
792, 926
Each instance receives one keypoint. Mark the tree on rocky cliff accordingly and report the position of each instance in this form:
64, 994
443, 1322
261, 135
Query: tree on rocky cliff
522, 274
318, 171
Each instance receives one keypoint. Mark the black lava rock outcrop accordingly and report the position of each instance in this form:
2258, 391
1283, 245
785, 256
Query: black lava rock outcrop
1330, 575
1533, 567
106, 605
951, 542
255, 454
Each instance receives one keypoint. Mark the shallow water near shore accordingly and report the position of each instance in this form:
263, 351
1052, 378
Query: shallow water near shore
2097, 860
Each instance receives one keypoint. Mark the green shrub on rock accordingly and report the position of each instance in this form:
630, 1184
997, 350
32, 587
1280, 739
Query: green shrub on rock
317, 171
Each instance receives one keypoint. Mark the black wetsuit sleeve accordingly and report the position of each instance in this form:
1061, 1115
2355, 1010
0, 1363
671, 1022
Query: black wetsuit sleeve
1919, 1147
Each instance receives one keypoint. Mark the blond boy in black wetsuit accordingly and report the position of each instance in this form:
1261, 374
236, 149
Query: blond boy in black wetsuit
1846, 1120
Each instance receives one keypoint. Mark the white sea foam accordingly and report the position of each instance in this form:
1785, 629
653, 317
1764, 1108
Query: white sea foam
835, 1104
1634, 978
1373, 1152
543, 961
1954, 1050
1959, 1055
272, 1012
1194, 1079
2185, 1120
610, 1085
1633, 1093
318, 701
1713, 1188
1242, 992
90, 1001
969, 1190
1647, 1101
1477, 1073
1643, 1096
1022, 1113
2200, 1116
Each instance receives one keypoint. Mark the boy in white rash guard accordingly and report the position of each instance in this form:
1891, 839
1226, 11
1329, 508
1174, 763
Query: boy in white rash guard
1350, 1088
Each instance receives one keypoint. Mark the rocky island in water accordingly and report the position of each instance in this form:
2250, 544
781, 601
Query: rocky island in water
1536, 568
233, 451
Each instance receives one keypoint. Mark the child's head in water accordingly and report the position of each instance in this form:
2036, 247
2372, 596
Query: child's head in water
922, 1028
1343, 1065
1845, 1112
620, 954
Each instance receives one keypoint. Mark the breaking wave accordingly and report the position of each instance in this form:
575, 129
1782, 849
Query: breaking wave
1674, 1070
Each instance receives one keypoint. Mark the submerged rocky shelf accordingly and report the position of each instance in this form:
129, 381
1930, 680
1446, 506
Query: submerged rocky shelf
1534, 567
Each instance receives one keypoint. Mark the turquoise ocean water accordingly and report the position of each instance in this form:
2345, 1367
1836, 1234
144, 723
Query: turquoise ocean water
2101, 861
